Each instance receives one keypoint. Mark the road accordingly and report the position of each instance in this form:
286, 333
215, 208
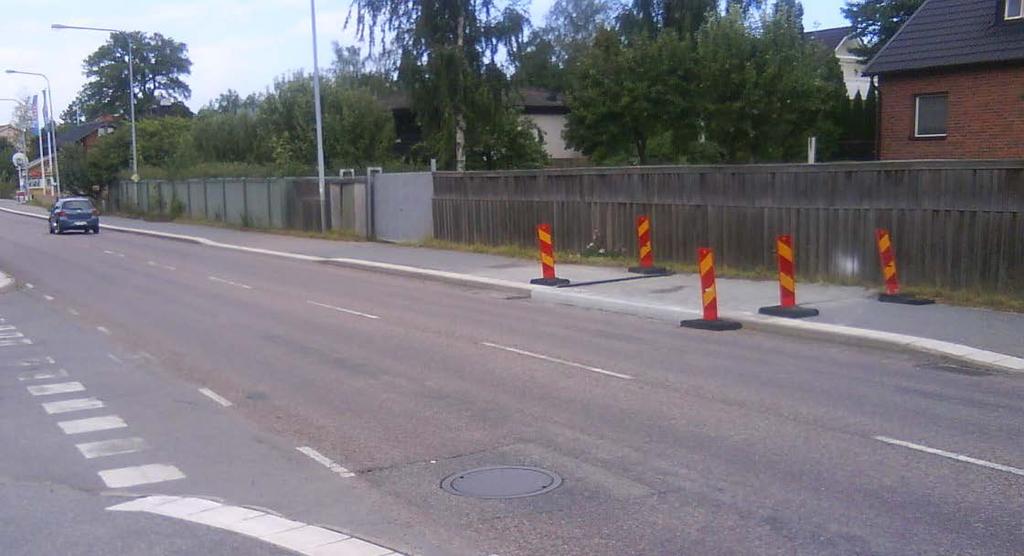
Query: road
669, 441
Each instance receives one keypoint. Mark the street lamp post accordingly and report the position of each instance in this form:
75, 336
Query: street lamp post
319, 123
131, 86
50, 129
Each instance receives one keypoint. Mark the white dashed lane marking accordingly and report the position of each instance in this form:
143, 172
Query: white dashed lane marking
73, 312
215, 397
116, 446
6, 342
558, 361
103, 329
58, 388
92, 424
155, 264
48, 297
951, 455
114, 358
292, 535
325, 461
68, 406
114, 253
229, 282
343, 310
42, 375
124, 477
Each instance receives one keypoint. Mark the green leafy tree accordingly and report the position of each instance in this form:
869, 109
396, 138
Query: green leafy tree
650, 17
160, 66
876, 21
764, 93
75, 176
358, 130
8, 173
449, 51
571, 25
626, 98
537, 65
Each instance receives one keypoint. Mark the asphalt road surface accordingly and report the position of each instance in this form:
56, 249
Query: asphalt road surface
668, 441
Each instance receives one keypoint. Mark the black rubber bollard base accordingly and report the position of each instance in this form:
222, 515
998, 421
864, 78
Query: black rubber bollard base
794, 312
718, 325
553, 282
649, 270
904, 299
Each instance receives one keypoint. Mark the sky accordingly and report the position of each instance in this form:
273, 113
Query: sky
233, 44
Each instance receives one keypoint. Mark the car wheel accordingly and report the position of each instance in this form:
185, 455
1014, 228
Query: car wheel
96, 230
51, 230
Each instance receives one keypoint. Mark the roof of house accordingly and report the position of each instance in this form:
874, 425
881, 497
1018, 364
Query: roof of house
532, 99
946, 33
831, 38
79, 132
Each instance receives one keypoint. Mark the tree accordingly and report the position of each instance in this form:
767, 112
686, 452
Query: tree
649, 17
764, 92
538, 65
160, 65
8, 173
876, 21
358, 130
570, 25
449, 50
627, 98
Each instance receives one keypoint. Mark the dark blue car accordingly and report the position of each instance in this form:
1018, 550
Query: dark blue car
74, 213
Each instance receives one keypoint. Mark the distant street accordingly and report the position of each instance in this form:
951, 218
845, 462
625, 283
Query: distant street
343, 399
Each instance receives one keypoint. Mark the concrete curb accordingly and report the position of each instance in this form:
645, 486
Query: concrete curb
817, 330
822, 331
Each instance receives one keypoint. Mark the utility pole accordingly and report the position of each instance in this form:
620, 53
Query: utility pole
319, 123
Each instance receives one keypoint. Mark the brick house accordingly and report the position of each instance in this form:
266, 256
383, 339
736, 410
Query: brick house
951, 83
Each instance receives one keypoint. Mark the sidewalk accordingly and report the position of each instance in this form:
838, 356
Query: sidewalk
669, 298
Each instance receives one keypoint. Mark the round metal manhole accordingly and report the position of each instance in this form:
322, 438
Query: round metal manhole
502, 482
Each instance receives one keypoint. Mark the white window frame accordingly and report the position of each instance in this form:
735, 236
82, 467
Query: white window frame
1006, 11
917, 116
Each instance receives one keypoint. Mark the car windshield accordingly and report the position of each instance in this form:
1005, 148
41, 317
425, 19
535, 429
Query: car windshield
77, 205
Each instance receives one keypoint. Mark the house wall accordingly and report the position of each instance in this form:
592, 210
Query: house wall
986, 114
853, 69
552, 125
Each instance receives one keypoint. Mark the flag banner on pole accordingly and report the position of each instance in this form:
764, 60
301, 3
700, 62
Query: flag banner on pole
35, 111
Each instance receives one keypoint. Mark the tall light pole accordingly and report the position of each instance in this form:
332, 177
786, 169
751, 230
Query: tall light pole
131, 85
319, 122
50, 128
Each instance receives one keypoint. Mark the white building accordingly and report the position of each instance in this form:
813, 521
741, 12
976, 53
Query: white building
841, 41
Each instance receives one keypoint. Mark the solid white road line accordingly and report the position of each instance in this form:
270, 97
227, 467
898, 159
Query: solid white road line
559, 361
951, 455
92, 424
67, 406
140, 475
48, 297
42, 375
116, 446
215, 397
155, 264
342, 310
229, 282
51, 389
103, 329
292, 535
325, 461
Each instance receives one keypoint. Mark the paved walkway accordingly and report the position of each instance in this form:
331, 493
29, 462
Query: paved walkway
851, 306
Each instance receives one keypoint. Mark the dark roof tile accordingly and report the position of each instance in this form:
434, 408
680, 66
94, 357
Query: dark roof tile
952, 33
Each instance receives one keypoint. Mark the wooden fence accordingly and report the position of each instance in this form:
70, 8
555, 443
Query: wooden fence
954, 224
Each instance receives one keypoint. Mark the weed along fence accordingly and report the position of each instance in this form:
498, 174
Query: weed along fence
284, 203
953, 224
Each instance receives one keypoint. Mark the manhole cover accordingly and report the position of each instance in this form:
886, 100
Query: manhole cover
501, 482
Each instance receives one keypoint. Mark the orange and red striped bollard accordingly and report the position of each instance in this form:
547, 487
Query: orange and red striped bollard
787, 306
709, 296
546, 247
887, 260
643, 236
